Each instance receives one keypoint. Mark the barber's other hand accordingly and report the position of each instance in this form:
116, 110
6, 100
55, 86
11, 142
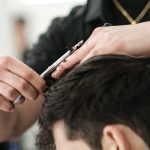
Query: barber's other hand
16, 78
133, 40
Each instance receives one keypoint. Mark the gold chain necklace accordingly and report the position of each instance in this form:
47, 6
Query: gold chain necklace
126, 14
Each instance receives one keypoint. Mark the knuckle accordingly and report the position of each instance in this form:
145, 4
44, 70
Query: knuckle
42, 85
28, 76
96, 30
23, 85
33, 95
5, 60
104, 29
11, 93
27, 90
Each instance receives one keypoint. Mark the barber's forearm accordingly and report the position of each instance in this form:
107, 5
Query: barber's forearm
14, 124
8, 124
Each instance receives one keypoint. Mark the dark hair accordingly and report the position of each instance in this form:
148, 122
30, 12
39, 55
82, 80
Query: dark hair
102, 91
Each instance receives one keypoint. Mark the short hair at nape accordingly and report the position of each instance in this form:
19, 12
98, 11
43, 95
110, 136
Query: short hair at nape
104, 90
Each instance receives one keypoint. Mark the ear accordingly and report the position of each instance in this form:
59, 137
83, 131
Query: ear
114, 138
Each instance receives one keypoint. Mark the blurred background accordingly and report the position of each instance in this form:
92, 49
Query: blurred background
30, 16
21, 23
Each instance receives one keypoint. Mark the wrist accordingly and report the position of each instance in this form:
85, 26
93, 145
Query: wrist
7, 125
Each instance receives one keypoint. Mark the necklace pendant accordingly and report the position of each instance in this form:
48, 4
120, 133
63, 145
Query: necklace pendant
134, 22
127, 15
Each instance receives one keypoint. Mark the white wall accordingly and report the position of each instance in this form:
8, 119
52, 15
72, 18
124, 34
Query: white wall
5, 44
38, 16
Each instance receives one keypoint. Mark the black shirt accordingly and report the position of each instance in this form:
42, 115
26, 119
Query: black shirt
78, 25
3, 146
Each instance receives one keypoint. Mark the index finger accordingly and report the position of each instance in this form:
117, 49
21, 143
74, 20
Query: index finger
72, 60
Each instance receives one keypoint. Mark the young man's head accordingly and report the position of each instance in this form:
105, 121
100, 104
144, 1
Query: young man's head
102, 104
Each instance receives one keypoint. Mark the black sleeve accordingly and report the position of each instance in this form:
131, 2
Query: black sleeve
50, 46
4, 146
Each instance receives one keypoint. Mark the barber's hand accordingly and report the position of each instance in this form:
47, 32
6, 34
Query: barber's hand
131, 40
16, 78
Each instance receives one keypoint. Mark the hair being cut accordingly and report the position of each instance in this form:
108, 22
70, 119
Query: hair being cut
102, 91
